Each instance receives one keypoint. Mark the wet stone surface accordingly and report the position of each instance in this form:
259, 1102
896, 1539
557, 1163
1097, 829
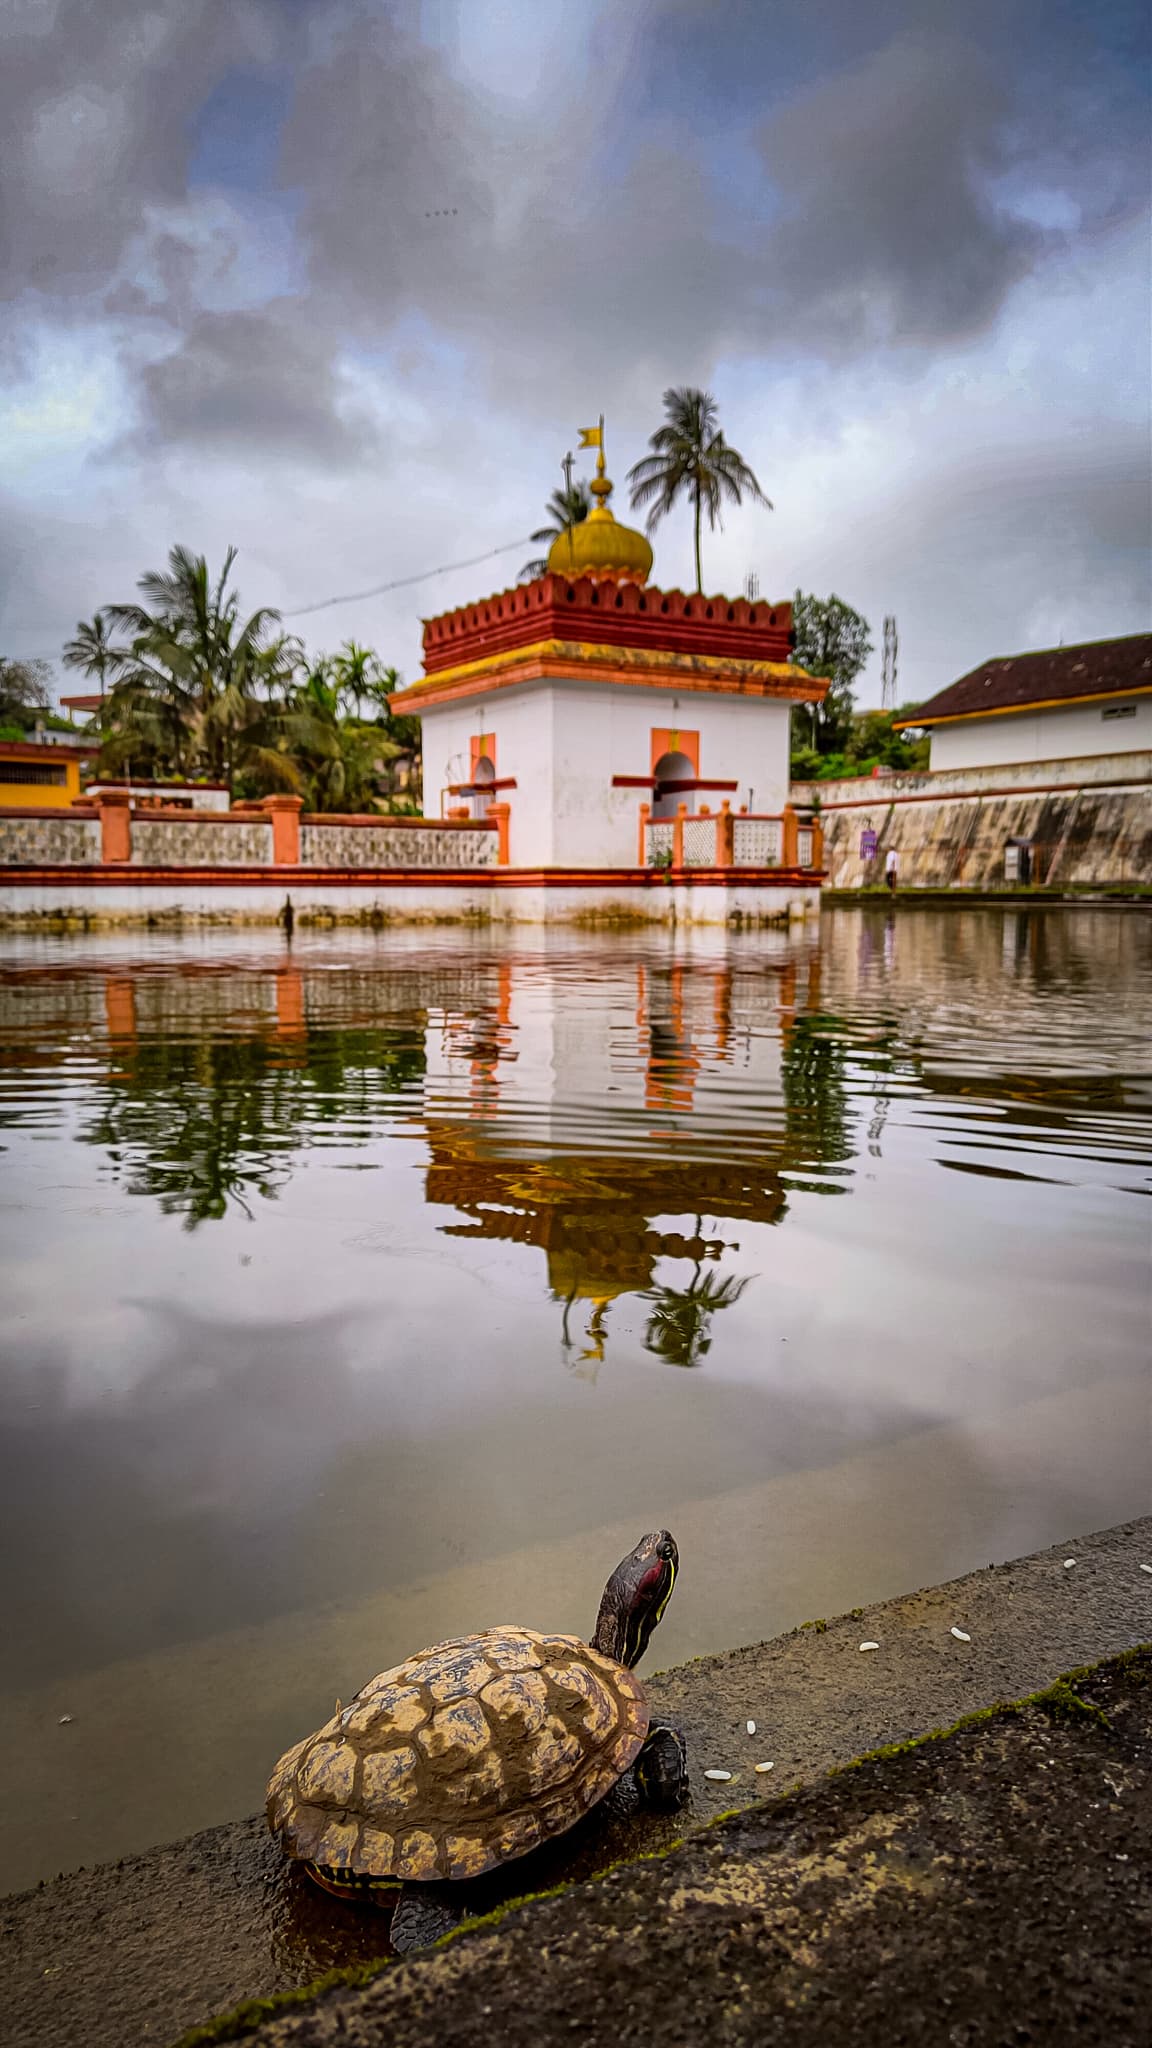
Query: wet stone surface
992, 1887
136, 1953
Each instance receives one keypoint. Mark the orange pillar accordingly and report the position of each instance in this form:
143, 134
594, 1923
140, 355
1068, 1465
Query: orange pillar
817, 843
284, 812
501, 815
678, 835
789, 850
115, 808
725, 837
642, 845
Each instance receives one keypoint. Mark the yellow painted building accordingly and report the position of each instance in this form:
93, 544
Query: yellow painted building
35, 776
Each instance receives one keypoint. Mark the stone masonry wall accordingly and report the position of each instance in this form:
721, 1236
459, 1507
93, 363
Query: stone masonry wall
34, 841
191, 842
1079, 838
388, 845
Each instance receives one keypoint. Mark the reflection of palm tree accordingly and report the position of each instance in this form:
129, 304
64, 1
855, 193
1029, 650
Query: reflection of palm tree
202, 1125
679, 1325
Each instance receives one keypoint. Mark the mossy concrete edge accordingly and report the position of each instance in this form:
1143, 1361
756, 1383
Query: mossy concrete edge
1059, 1700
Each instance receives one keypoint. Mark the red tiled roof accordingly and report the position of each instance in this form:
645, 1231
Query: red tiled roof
1013, 682
42, 750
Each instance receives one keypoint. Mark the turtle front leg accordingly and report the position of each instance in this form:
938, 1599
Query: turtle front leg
661, 1770
657, 1781
424, 1914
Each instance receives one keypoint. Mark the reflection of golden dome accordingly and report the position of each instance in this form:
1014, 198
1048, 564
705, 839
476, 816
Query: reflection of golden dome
599, 545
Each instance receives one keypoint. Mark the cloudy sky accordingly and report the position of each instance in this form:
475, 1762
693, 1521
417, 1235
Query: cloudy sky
337, 281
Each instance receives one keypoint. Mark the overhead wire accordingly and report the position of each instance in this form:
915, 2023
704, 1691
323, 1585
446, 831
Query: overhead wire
299, 611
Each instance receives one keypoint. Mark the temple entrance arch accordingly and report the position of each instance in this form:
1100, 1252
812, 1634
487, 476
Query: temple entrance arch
672, 768
483, 773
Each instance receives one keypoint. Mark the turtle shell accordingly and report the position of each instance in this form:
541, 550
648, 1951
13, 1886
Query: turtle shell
466, 1756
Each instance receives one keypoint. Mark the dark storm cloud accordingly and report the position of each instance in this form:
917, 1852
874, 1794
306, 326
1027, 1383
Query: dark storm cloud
875, 219
887, 232
263, 378
844, 195
96, 103
588, 237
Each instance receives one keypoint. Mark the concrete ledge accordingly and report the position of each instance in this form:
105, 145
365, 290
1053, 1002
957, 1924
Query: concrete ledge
97, 896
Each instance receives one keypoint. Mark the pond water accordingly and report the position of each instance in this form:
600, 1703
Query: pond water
381, 1287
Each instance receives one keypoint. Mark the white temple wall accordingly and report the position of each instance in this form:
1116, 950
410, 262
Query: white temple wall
520, 721
563, 742
604, 731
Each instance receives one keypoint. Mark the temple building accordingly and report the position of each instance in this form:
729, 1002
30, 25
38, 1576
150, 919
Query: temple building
610, 724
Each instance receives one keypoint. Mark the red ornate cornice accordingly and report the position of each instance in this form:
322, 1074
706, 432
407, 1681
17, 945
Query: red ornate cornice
608, 614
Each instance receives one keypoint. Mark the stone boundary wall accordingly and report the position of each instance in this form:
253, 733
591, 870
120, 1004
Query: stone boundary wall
1078, 838
250, 836
200, 839
395, 843
35, 838
1094, 770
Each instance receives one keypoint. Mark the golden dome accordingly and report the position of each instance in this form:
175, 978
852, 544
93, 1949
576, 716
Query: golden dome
599, 545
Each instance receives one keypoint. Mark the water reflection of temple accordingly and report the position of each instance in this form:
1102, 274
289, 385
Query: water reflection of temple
622, 1118
607, 1135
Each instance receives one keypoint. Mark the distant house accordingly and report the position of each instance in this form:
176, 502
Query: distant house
1058, 705
40, 775
171, 796
82, 710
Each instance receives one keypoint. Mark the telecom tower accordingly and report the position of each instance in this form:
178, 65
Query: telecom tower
888, 672
751, 585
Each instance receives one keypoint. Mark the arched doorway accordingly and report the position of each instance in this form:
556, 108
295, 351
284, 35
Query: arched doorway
483, 771
673, 768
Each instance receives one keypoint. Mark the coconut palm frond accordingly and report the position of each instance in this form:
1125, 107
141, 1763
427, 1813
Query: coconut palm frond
691, 458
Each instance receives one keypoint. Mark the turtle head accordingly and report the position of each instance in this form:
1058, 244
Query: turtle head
635, 1598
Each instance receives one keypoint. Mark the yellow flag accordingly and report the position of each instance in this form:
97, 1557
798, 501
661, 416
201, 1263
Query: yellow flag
591, 437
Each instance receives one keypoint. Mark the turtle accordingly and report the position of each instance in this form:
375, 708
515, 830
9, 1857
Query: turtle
477, 1751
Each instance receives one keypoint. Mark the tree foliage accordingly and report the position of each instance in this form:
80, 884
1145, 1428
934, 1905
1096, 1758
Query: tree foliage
198, 690
830, 640
568, 506
876, 739
690, 458
25, 695
90, 650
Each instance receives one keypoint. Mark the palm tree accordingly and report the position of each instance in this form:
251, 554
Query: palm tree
334, 756
192, 663
568, 506
691, 456
358, 672
91, 651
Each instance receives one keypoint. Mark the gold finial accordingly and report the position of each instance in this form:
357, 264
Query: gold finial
593, 437
599, 545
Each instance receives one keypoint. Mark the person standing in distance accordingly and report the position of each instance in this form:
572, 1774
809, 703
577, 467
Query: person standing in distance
891, 864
